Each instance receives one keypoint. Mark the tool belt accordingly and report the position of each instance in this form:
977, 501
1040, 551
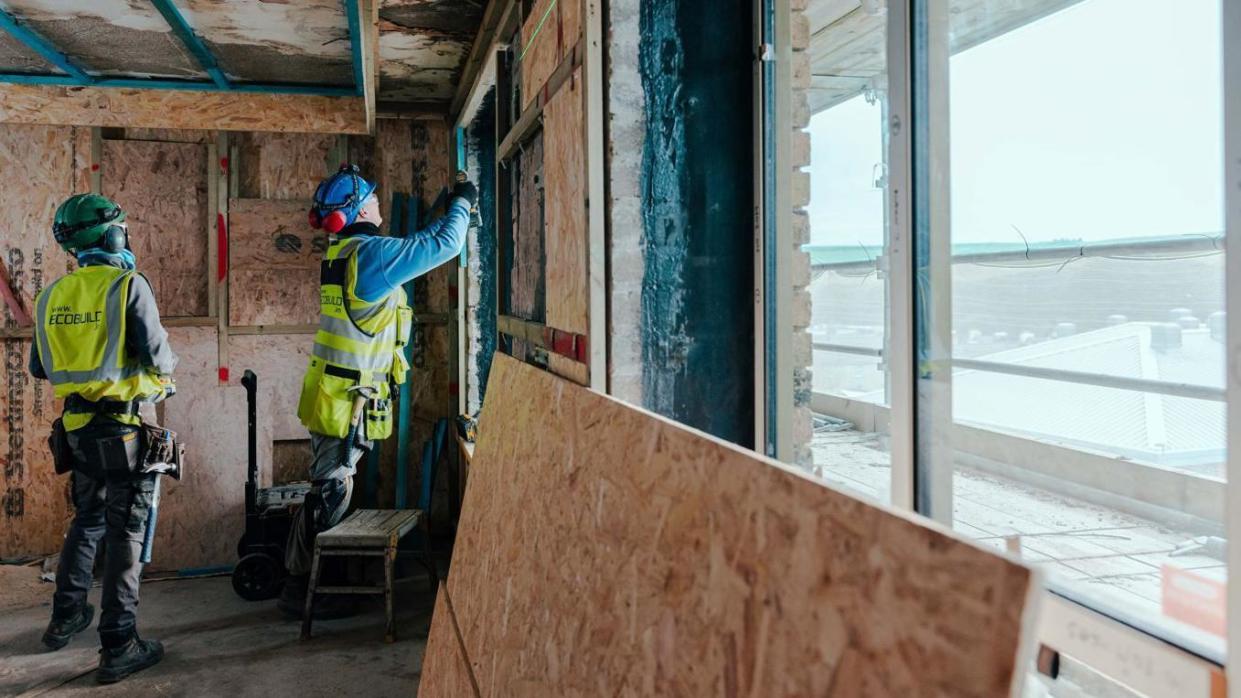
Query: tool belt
79, 404
161, 451
147, 449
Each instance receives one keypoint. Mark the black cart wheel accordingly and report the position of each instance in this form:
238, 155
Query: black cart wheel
258, 577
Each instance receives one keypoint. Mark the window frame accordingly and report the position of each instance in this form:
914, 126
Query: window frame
1109, 644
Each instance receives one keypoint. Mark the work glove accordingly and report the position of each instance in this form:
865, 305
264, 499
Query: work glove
466, 190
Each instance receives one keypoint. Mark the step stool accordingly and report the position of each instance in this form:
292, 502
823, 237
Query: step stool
365, 533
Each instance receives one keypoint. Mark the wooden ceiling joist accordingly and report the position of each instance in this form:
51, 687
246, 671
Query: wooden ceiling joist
183, 109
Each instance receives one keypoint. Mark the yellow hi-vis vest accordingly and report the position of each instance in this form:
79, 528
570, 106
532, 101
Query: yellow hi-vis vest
358, 344
80, 336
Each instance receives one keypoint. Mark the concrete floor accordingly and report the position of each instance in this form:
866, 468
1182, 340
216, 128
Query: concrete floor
219, 645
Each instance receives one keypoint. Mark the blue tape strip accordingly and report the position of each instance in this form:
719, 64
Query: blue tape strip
355, 46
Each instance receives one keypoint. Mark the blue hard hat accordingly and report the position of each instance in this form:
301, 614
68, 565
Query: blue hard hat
339, 198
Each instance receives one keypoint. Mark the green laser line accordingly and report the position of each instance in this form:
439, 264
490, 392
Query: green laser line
538, 29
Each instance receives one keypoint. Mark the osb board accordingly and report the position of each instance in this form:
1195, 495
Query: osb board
168, 134
553, 35
201, 516
564, 170
180, 109
290, 460
527, 277
34, 501
82, 161
274, 257
280, 362
565, 367
604, 550
284, 165
445, 673
432, 183
163, 189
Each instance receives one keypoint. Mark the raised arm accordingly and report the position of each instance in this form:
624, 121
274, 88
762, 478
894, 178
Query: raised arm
387, 263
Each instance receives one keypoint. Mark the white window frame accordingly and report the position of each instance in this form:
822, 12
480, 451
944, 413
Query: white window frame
1142, 661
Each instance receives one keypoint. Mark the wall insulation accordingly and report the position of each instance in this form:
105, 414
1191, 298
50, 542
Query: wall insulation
481, 319
696, 210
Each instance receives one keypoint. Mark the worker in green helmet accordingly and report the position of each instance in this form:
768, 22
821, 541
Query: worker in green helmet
99, 341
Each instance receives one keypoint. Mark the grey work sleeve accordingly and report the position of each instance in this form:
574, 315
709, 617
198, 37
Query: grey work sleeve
36, 365
144, 335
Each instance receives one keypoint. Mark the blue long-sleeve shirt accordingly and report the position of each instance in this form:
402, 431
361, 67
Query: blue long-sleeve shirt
385, 263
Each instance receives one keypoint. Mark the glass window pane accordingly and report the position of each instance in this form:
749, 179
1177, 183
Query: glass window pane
848, 241
1071, 297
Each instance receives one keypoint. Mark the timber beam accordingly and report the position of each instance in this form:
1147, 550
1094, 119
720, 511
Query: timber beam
182, 109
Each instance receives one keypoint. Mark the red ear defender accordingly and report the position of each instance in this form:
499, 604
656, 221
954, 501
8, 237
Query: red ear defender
316, 221
334, 222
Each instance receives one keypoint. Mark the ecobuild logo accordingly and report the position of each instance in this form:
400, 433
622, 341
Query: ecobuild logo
64, 315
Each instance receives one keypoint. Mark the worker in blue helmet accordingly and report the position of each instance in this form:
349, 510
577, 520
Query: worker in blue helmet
358, 354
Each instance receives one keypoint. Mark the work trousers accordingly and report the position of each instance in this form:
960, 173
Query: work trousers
331, 489
110, 505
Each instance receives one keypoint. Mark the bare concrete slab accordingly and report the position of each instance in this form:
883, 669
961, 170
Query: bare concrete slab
219, 645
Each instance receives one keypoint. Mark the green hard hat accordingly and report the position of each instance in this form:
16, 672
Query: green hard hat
83, 220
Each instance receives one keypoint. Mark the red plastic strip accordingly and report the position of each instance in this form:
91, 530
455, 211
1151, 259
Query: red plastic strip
222, 245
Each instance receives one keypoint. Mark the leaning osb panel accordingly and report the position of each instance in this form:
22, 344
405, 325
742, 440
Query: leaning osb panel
550, 32
274, 258
201, 516
565, 367
34, 501
604, 550
445, 672
564, 166
163, 189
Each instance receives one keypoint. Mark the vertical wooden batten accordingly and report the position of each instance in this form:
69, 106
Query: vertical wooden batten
596, 196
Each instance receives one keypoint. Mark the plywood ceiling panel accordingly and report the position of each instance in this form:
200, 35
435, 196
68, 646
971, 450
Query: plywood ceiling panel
16, 58
604, 550
295, 42
422, 43
117, 38
422, 46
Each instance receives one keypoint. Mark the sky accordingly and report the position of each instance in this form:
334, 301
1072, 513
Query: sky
1098, 122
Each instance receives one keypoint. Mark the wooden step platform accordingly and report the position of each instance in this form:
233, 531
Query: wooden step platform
366, 532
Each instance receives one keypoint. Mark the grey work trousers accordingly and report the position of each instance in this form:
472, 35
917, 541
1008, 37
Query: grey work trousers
331, 490
112, 506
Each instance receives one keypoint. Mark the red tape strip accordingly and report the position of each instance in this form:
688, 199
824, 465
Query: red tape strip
222, 247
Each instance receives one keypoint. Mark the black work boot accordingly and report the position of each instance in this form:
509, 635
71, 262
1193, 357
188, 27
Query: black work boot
60, 630
119, 662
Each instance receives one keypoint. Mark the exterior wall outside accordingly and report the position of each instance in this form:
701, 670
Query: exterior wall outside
797, 234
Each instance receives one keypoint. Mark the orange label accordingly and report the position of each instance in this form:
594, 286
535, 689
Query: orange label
1194, 599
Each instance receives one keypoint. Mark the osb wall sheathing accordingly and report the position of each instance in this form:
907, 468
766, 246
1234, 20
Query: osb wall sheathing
34, 501
163, 189
202, 515
604, 550
279, 361
284, 165
564, 167
550, 32
273, 273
